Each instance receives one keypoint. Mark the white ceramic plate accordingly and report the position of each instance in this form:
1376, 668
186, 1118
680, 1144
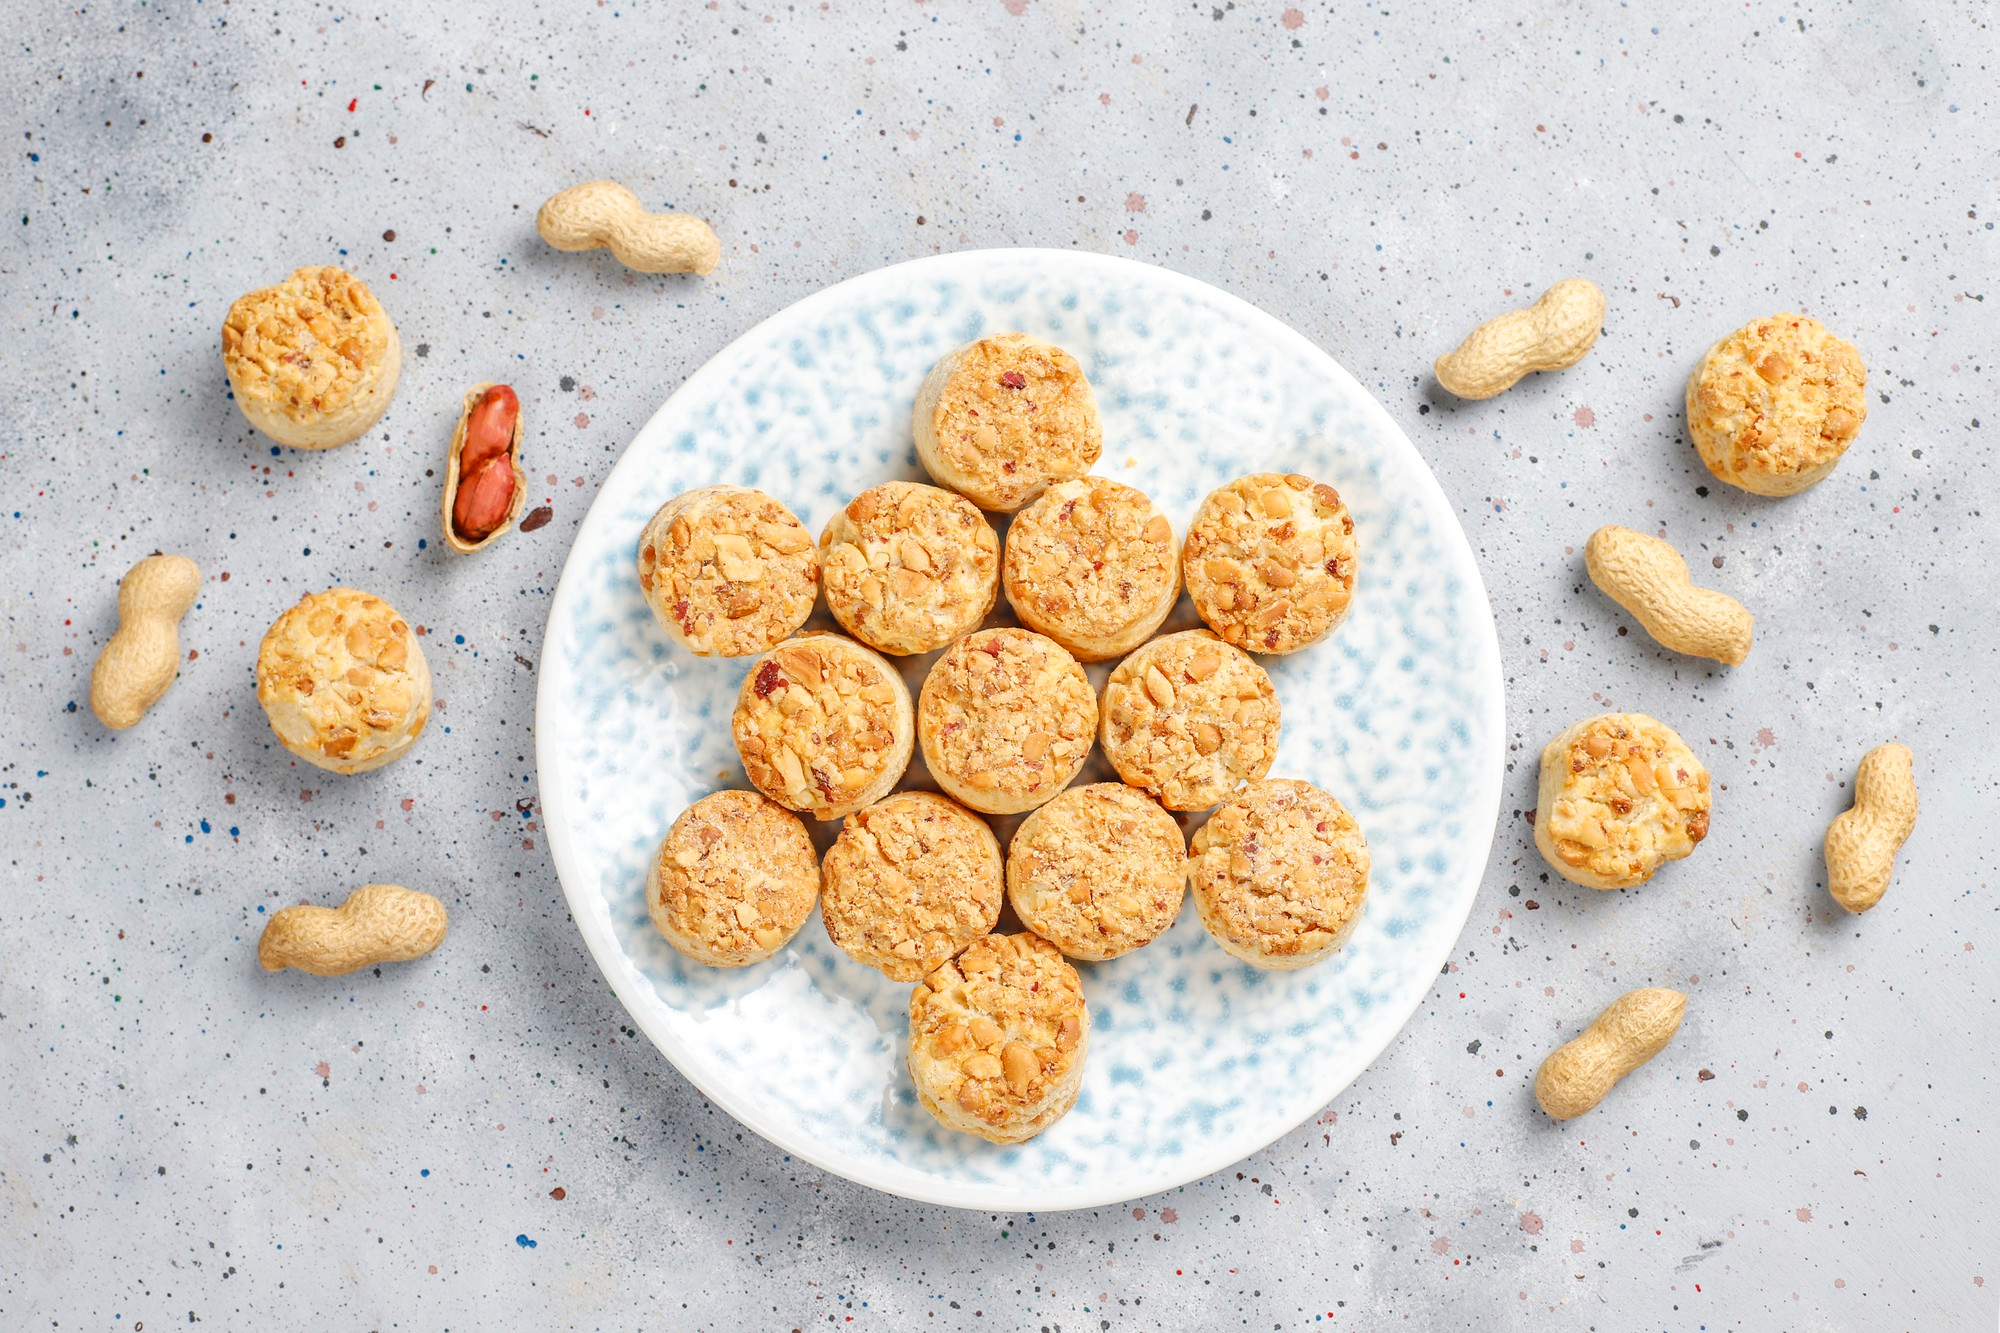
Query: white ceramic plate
1196, 1060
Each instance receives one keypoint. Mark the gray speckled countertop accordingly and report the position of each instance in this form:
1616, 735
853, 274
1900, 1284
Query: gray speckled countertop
478, 1141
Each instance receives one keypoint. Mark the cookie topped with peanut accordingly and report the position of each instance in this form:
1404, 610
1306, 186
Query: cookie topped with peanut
1092, 565
728, 571
343, 681
1190, 719
1098, 872
1006, 718
910, 881
733, 880
998, 1037
1270, 561
1621, 795
1280, 874
1774, 405
312, 361
908, 567
999, 419
823, 725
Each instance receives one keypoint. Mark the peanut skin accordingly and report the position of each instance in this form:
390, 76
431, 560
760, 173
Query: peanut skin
485, 473
1552, 334
1647, 577
605, 213
1862, 842
1633, 1029
140, 660
381, 923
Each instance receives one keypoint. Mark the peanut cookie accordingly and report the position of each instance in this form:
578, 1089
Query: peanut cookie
734, 879
1270, 561
999, 419
313, 361
728, 570
1190, 719
908, 567
343, 681
997, 1038
1098, 871
824, 725
1092, 565
910, 881
1006, 718
1774, 405
1620, 796
1280, 874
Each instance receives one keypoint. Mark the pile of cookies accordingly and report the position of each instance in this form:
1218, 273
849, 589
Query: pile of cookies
914, 884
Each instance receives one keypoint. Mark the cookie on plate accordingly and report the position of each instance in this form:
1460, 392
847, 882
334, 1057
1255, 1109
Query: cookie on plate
908, 567
824, 725
1280, 874
1270, 561
343, 681
997, 1038
1621, 795
1092, 565
1097, 872
1006, 718
728, 570
910, 881
313, 361
997, 420
1190, 719
1774, 405
733, 880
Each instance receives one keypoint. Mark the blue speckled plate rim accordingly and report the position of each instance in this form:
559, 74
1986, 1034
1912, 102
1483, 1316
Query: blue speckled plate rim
1028, 1196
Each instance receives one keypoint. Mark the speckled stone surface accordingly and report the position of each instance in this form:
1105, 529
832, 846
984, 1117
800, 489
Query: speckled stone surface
476, 1139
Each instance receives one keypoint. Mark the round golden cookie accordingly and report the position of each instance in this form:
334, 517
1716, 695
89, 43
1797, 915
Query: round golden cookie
1280, 874
1006, 718
1270, 561
908, 567
1620, 796
313, 361
997, 1038
824, 725
910, 881
1774, 405
1092, 565
728, 570
734, 879
1190, 719
1097, 872
343, 681
997, 420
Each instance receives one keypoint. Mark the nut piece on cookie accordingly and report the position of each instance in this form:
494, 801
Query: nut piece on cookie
1280, 874
733, 880
1774, 405
343, 681
999, 419
908, 568
1621, 795
1270, 561
1006, 718
1099, 871
824, 725
728, 570
312, 361
1190, 719
1092, 565
910, 881
997, 1038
